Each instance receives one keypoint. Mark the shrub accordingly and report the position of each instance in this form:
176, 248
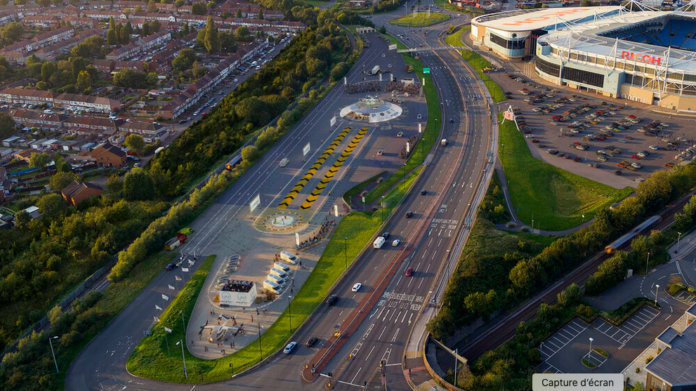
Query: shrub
637, 369
647, 360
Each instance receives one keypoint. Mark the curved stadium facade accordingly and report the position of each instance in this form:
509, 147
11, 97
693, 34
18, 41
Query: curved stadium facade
646, 56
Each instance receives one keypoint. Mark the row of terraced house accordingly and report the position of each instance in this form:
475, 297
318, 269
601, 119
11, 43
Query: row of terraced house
20, 96
191, 95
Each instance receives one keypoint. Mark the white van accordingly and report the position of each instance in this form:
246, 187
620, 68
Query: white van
279, 273
271, 286
288, 257
378, 242
283, 267
278, 280
284, 162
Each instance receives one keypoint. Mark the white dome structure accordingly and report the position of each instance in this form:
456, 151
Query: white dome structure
372, 110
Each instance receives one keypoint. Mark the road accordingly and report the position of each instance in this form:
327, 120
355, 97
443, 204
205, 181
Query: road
451, 178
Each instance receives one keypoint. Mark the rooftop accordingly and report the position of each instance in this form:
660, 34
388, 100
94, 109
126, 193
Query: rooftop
677, 365
525, 20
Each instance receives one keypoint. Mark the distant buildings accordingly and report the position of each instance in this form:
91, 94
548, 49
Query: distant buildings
69, 101
78, 191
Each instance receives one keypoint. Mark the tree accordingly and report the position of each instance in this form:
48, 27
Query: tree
239, 12
242, 33
184, 60
199, 71
571, 296
22, 218
112, 24
61, 164
84, 80
179, 3
44, 3
39, 160
135, 142
60, 180
249, 153
260, 13
211, 4
7, 126
12, 32
251, 109
130, 79
146, 29
199, 8
78, 65
212, 40
155, 26
383, 30
138, 186
114, 185
152, 6
51, 203
111, 38
138, 8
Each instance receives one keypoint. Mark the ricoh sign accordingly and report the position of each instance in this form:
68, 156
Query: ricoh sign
644, 58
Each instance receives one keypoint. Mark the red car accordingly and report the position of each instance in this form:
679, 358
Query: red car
535, 141
409, 272
601, 138
635, 157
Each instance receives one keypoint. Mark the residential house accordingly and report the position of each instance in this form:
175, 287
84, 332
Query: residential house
90, 126
152, 40
106, 66
149, 16
140, 127
38, 119
124, 52
25, 155
78, 191
41, 21
108, 155
96, 103
21, 96
105, 15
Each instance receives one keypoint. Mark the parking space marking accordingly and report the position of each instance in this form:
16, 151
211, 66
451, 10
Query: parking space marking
558, 340
595, 358
629, 328
546, 367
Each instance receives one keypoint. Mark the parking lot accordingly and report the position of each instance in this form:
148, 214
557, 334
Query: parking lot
564, 350
594, 138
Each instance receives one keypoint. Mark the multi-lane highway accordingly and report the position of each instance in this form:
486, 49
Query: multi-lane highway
453, 180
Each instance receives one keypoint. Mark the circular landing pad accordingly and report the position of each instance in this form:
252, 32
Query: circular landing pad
280, 221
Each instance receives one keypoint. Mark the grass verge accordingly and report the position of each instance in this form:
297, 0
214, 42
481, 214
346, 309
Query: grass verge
556, 199
150, 358
601, 352
478, 63
419, 19
588, 364
432, 128
466, 10
355, 190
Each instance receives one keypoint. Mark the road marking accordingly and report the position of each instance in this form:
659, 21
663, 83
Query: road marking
397, 317
380, 336
395, 335
368, 355
404, 318
367, 333
385, 316
356, 375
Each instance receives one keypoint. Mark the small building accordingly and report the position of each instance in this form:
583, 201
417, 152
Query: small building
25, 155
33, 212
108, 155
674, 369
78, 191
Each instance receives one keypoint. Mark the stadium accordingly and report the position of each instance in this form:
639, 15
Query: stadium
645, 55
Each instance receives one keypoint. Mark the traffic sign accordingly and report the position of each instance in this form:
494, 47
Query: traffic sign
426, 71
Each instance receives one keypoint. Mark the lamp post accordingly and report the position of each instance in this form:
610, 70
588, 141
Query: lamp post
53, 353
345, 251
678, 241
647, 262
183, 356
590, 353
382, 205
290, 311
183, 322
657, 289
258, 322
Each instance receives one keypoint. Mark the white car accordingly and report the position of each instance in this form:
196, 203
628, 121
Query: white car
396, 243
357, 287
290, 347
654, 147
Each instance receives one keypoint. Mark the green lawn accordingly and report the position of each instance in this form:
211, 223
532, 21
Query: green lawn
151, 359
430, 132
478, 63
419, 19
466, 10
555, 198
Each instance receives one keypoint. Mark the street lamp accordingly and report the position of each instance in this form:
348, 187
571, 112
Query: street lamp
181, 341
258, 322
678, 238
53, 353
589, 355
657, 289
345, 251
647, 262
382, 209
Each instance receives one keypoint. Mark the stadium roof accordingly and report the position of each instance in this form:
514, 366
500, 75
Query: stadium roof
526, 20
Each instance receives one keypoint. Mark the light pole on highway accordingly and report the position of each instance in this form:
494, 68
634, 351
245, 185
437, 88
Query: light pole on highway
345, 250
647, 262
53, 353
290, 312
590, 353
183, 356
382, 209
183, 322
258, 322
657, 289
678, 239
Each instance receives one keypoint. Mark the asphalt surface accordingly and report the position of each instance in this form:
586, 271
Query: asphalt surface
451, 179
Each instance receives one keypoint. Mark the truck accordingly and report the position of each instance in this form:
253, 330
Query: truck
375, 71
379, 242
175, 241
443, 142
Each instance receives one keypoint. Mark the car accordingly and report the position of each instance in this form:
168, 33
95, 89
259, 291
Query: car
451, 121
421, 45
385, 235
311, 342
396, 242
357, 287
332, 300
171, 266
289, 347
424, 192
409, 214
380, 152
409, 272
669, 164
400, 134
642, 154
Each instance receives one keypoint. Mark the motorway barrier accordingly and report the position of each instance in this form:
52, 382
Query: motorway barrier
333, 170
312, 170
